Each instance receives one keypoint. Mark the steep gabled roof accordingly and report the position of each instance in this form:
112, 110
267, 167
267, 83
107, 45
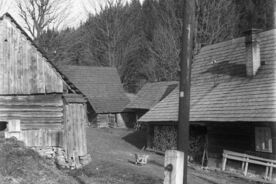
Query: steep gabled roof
222, 91
101, 85
69, 84
151, 94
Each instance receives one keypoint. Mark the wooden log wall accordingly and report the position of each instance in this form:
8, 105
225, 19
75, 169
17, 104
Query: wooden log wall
23, 69
75, 132
34, 112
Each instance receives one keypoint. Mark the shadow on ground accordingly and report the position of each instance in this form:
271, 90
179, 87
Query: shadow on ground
137, 138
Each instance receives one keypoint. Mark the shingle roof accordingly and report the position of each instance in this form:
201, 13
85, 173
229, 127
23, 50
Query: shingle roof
101, 85
151, 94
222, 91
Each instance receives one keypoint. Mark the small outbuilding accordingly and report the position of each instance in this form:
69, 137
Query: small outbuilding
104, 92
147, 97
38, 104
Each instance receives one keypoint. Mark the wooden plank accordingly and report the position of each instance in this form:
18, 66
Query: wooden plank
40, 120
41, 137
24, 66
2, 56
65, 130
16, 67
74, 125
71, 132
20, 59
41, 126
69, 129
44, 100
34, 108
5, 60
40, 75
83, 130
28, 71
32, 114
9, 61
173, 165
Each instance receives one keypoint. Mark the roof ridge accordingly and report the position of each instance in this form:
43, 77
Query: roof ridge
206, 47
88, 66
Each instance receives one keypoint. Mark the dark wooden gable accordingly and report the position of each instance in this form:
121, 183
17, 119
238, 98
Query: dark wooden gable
23, 68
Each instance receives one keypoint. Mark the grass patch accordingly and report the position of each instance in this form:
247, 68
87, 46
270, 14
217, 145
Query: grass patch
19, 164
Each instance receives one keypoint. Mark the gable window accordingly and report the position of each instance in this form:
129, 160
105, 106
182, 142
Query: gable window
263, 140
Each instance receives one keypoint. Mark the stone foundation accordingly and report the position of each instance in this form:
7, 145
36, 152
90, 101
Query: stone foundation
58, 155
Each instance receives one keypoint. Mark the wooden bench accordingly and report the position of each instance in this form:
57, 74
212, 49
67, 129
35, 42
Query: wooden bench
249, 159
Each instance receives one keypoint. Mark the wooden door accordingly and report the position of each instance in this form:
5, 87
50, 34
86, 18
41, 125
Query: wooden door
75, 133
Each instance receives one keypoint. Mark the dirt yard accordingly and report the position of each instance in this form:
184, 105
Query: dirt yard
112, 152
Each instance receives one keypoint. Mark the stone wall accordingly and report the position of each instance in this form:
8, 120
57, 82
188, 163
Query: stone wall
58, 155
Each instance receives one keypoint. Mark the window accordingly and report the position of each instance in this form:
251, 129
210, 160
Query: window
3, 125
263, 140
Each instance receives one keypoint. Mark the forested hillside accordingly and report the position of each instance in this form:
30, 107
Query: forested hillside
142, 39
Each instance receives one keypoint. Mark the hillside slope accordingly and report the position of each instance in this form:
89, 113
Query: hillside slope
21, 165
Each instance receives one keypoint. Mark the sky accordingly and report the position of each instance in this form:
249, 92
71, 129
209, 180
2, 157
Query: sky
78, 11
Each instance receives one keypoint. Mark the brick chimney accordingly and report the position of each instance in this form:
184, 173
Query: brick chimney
253, 55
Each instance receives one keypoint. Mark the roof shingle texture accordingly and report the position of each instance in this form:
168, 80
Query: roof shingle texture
222, 91
151, 94
101, 85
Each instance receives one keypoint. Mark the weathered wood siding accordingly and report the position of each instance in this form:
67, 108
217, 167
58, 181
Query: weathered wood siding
34, 112
42, 138
75, 132
105, 120
23, 69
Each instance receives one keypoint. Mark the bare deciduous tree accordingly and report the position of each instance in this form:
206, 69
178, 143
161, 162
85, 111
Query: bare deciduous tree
40, 14
216, 20
107, 33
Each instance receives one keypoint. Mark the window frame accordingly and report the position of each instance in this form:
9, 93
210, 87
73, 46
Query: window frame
263, 139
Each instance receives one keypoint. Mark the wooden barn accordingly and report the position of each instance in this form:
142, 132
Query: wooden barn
148, 96
37, 103
233, 100
105, 94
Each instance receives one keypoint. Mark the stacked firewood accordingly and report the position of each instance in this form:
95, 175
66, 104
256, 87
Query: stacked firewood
165, 137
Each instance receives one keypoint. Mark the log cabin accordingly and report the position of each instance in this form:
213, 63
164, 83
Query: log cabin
106, 98
38, 104
233, 100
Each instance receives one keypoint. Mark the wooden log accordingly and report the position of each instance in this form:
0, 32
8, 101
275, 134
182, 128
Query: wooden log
29, 108
174, 165
41, 100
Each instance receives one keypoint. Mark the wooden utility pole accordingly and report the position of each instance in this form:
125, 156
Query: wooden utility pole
274, 14
188, 13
